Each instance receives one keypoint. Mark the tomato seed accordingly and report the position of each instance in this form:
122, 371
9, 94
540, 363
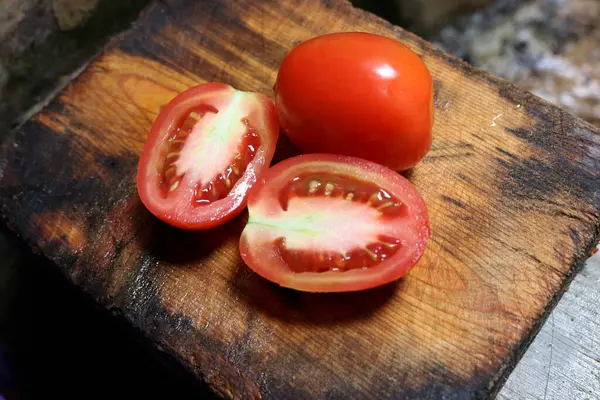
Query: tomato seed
170, 172
174, 186
389, 242
339, 260
373, 199
192, 119
308, 261
329, 189
343, 187
313, 186
371, 255
385, 205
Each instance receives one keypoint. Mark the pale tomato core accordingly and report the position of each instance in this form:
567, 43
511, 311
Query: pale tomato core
308, 211
334, 223
220, 142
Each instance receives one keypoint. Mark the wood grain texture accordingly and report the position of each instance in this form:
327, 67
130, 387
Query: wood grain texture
511, 184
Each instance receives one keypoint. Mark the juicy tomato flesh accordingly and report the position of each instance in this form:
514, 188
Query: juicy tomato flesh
346, 189
330, 223
217, 188
220, 187
205, 150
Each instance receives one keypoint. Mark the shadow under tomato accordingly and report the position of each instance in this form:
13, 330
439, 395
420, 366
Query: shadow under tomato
183, 247
407, 173
297, 307
285, 149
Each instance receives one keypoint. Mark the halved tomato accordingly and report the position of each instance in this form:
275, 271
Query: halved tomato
332, 223
207, 147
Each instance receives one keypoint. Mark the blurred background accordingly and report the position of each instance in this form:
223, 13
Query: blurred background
53, 341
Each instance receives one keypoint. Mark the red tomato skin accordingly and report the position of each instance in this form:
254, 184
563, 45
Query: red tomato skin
357, 94
267, 263
221, 211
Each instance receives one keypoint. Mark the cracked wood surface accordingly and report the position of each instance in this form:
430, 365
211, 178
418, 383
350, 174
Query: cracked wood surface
511, 183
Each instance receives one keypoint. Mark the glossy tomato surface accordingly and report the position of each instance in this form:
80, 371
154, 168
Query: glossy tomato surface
331, 223
207, 147
357, 94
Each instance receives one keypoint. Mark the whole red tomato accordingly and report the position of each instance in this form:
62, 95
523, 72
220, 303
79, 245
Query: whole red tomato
357, 94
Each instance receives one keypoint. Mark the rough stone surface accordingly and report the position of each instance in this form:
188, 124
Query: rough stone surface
41, 41
549, 47
427, 16
70, 14
424, 17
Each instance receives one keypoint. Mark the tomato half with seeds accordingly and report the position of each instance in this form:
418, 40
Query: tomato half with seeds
207, 147
333, 223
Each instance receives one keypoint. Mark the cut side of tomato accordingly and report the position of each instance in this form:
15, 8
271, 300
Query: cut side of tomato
205, 150
332, 223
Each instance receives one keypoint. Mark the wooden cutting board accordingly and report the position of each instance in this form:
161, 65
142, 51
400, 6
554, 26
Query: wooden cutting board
512, 185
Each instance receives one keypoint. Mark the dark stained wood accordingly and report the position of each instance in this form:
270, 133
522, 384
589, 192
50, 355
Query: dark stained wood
511, 183
42, 41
